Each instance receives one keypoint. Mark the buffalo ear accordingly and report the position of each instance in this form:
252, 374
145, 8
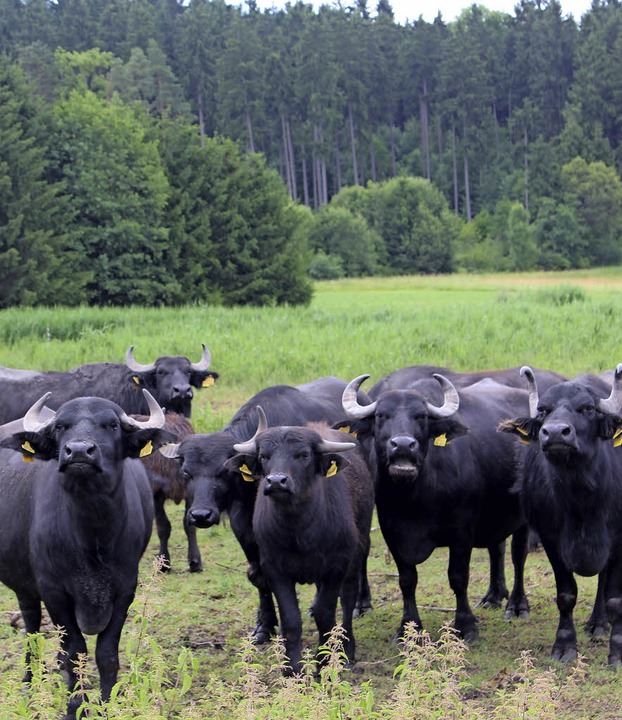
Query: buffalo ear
332, 463
33, 446
203, 378
525, 428
140, 443
610, 428
246, 465
360, 429
443, 430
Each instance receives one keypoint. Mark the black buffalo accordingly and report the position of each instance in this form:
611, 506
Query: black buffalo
405, 377
312, 519
168, 484
213, 488
169, 379
75, 522
443, 479
571, 488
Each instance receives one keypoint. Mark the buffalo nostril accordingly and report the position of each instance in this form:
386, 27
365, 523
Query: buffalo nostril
566, 431
545, 432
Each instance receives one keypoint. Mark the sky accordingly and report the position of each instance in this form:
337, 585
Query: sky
450, 9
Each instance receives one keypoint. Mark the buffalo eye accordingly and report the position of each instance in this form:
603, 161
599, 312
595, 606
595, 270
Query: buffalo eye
587, 410
302, 455
160, 371
111, 425
543, 411
263, 457
186, 475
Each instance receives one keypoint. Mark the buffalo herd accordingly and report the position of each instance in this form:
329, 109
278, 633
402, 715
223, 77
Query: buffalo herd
448, 459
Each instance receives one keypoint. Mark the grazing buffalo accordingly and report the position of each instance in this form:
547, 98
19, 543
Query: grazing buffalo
75, 522
443, 480
312, 519
213, 488
571, 488
169, 379
402, 379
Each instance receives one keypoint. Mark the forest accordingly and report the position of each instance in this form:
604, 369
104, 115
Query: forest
158, 152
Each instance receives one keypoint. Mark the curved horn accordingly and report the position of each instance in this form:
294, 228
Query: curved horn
135, 366
156, 416
351, 404
205, 361
328, 446
170, 450
36, 419
451, 400
250, 446
11, 428
532, 386
613, 404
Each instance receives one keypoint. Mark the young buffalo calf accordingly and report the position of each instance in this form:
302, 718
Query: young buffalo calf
311, 521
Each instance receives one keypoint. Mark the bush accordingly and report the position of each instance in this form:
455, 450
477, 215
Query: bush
326, 267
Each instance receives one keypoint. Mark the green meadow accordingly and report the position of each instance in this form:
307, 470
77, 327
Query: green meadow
183, 650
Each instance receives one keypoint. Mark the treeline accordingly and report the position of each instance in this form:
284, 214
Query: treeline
514, 121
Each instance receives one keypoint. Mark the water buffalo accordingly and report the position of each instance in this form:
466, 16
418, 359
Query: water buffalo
571, 488
75, 522
169, 379
212, 488
443, 479
402, 379
311, 520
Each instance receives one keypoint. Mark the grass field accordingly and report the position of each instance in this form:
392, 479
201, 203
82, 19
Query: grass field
567, 322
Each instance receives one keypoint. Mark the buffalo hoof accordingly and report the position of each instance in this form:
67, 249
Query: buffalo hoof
361, 608
469, 634
517, 608
598, 629
564, 653
195, 566
164, 562
261, 635
493, 598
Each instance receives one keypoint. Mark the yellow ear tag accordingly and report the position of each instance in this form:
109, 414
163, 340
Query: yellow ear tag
332, 470
521, 430
147, 450
441, 440
344, 429
247, 475
136, 379
617, 438
29, 449
208, 382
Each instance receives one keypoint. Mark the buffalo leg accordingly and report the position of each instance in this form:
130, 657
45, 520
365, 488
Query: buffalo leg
163, 527
72, 645
195, 564
497, 589
363, 600
458, 573
597, 624
518, 605
349, 592
565, 645
266, 613
325, 608
31, 613
613, 595
107, 647
291, 623
408, 577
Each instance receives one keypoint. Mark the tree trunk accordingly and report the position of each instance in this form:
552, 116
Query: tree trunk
286, 162
201, 117
526, 166
292, 162
467, 187
355, 171
372, 160
425, 131
338, 184
393, 152
249, 130
455, 169
305, 179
